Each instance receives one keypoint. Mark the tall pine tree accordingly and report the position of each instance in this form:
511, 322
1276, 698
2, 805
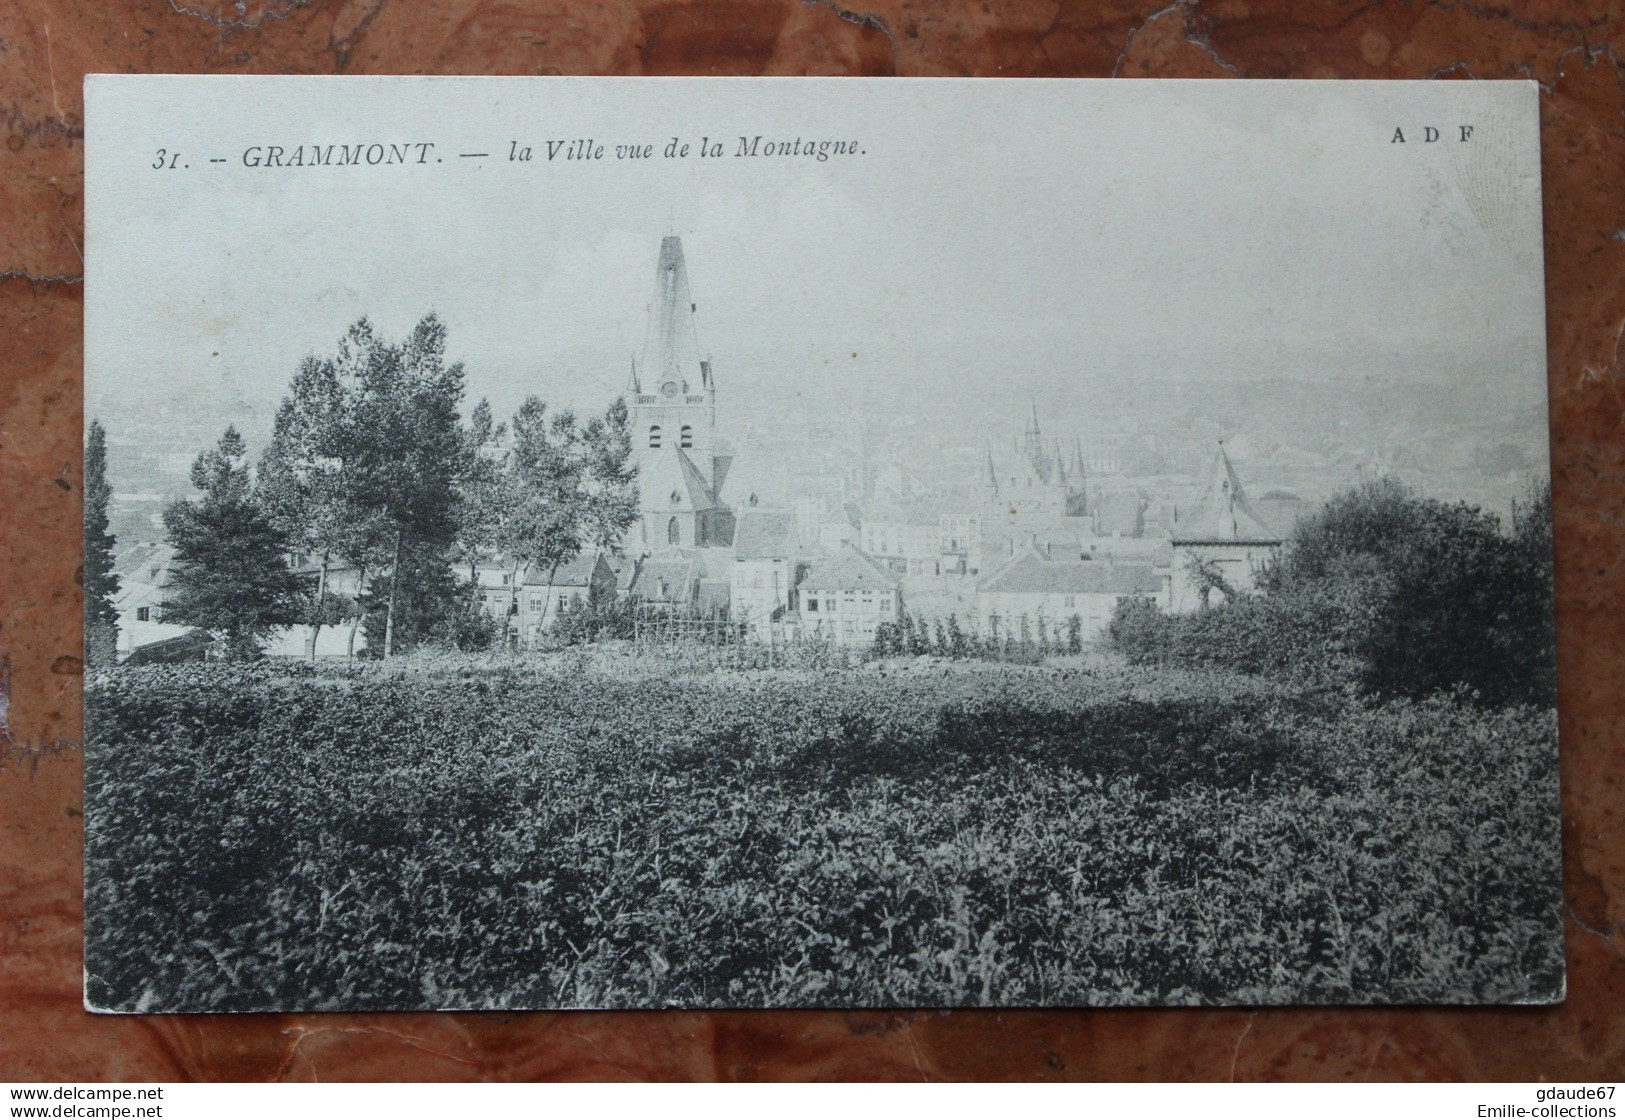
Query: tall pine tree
100, 583
230, 574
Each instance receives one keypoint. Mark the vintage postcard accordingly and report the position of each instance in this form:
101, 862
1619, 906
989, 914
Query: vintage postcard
796, 543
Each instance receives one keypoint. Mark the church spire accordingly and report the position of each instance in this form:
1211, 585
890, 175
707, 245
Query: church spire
671, 347
1222, 510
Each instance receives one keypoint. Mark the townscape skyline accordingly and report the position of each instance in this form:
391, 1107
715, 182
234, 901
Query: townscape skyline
1444, 442
1133, 261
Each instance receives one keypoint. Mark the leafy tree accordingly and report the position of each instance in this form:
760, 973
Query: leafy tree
958, 647
482, 496
1453, 600
100, 582
369, 455
610, 496
1139, 630
1074, 634
896, 640
302, 487
566, 487
603, 619
230, 575
433, 607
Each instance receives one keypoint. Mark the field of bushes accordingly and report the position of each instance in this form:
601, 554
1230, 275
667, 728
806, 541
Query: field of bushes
506, 836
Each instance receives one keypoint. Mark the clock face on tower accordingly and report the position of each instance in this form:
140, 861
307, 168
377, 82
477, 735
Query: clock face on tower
669, 389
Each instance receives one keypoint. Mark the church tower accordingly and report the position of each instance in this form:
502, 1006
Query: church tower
671, 405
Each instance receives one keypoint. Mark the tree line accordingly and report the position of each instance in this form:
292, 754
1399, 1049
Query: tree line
372, 468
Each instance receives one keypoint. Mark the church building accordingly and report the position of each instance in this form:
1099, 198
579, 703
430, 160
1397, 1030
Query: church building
1035, 478
671, 401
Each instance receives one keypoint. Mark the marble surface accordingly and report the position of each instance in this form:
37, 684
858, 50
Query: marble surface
46, 46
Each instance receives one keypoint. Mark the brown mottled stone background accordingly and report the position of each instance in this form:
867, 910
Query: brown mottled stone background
46, 47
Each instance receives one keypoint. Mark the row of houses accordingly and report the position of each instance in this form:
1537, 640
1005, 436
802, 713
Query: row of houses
775, 588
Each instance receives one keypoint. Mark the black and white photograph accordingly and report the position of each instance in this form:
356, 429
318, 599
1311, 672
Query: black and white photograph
740, 543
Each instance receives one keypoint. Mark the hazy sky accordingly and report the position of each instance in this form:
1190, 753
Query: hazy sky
995, 239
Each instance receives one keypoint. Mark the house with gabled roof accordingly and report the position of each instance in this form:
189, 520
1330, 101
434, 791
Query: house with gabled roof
496, 583
669, 580
1221, 544
546, 594
763, 579
143, 576
844, 597
1048, 592
625, 569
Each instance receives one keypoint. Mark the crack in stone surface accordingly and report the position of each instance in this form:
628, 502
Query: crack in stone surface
861, 19
1128, 43
1198, 39
341, 46
304, 1033
1504, 15
590, 1041
42, 279
914, 1049
1606, 935
1235, 1055
270, 12
1189, 34
1376, 1053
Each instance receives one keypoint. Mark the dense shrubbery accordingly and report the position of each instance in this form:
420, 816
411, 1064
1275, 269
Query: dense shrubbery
992, 835
1302, 636
609, 620
1397, 595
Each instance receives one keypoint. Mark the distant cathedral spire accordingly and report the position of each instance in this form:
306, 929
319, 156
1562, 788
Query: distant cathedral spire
1033, 444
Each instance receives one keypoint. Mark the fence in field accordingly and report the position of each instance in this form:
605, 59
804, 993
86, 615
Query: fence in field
652, 625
